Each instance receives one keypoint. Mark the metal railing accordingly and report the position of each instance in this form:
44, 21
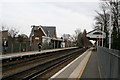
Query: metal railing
109, 62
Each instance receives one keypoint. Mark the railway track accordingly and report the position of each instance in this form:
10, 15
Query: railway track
30, 59
39, 69
17, 66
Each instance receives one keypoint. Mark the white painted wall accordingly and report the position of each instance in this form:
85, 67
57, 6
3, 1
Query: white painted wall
62, 44
91, 35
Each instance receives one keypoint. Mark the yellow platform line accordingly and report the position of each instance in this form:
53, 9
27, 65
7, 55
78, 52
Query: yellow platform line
79, 76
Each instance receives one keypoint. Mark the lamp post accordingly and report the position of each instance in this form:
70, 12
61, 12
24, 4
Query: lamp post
110, 32
110, 25
102, 35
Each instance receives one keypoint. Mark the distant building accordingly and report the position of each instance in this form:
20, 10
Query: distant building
96, 35
38, 32
45, 35
4, 35
15, 44
68, 40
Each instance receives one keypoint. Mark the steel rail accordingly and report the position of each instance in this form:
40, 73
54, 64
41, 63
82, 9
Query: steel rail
36, 66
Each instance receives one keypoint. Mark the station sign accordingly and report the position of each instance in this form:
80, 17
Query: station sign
96, 34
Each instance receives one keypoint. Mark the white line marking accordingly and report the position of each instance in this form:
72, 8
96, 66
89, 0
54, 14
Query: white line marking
59, 72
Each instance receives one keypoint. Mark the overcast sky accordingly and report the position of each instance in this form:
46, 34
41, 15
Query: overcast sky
66, 16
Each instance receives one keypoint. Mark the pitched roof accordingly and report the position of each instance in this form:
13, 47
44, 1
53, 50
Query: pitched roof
49, 31
93, 31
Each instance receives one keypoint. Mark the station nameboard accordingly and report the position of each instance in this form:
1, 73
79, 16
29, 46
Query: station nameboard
96, 34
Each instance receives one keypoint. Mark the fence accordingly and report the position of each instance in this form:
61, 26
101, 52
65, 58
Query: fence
14, 47
19, 47
109, 62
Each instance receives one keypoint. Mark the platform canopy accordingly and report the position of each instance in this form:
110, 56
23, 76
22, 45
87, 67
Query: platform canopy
96, 34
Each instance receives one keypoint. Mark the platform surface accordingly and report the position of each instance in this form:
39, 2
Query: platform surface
92, 69
75, 68
10, 55
85, 66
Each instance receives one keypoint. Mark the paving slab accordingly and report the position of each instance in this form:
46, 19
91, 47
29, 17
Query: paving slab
92, 67
74, 69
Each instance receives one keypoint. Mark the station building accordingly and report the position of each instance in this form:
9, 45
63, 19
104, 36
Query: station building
46, 35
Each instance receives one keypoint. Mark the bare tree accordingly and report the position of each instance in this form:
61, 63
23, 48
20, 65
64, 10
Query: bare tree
66, 36
86, 41
102, 19
77, 32
80, 40
4, 27
13, 32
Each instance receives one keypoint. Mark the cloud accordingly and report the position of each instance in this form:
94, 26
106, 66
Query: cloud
65, 16
70, 20
50, 0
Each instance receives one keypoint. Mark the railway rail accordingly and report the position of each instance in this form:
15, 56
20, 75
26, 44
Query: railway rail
39, 69
30, 59
13, 67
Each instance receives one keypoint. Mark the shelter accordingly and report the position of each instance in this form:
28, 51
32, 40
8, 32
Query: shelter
96, 35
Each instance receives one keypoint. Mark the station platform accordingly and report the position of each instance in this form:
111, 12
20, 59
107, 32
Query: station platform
21, 54
92, 69
85, 66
